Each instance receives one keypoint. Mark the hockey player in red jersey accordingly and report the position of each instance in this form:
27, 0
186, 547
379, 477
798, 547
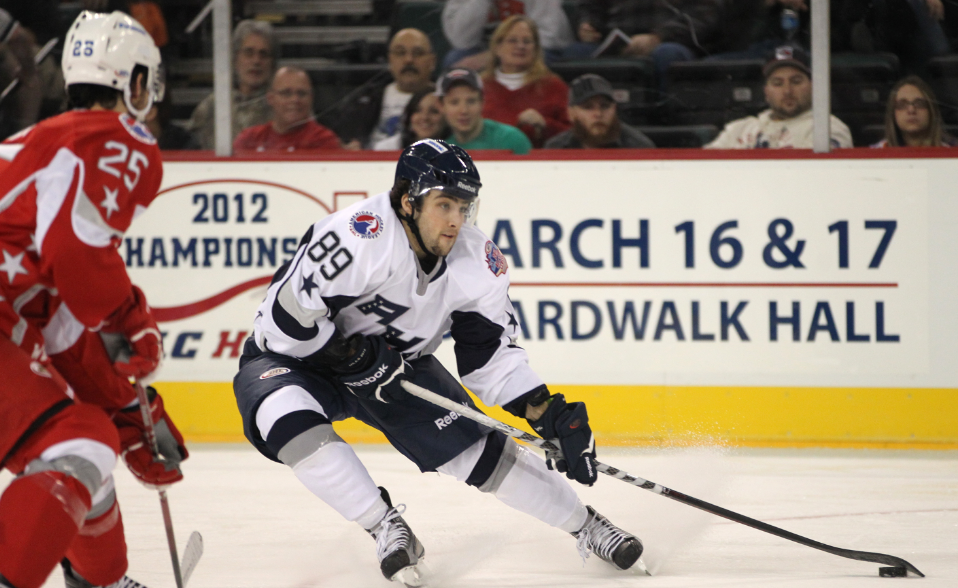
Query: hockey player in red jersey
66, 408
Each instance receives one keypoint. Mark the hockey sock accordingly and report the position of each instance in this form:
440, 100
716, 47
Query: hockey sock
40, 515
532, 488
98, 552
335, 474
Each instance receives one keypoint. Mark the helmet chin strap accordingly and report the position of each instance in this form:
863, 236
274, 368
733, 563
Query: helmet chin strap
128, 101
413, 224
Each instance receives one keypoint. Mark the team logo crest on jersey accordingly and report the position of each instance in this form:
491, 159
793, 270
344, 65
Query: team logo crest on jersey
273, 372
495, 259
366, 225
137, 129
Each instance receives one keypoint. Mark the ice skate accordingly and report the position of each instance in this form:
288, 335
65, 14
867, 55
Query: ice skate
75, 580
399, 551
609, 542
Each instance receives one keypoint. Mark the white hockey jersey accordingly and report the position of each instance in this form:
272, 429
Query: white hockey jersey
355, 271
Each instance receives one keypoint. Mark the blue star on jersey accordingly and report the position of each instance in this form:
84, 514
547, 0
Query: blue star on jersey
308, 285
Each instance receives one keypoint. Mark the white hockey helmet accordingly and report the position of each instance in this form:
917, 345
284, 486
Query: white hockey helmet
103, 49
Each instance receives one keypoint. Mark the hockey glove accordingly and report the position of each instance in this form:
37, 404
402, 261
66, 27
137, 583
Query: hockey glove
380, 370
134, 320
135, 446
569, 424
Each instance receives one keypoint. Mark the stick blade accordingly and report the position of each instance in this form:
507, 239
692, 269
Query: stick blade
191, 555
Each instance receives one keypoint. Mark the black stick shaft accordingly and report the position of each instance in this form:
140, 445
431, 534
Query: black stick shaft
492, 423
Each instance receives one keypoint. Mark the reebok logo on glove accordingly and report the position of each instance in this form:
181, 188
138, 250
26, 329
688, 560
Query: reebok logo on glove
371, 379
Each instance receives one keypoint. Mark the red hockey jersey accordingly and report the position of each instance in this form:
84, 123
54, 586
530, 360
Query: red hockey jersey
65, 201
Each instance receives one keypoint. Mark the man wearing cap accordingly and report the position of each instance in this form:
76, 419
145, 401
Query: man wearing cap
595, 119
788, 121
461, 97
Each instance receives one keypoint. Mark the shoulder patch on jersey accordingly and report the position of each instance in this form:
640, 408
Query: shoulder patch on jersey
495, 259
366, 225
273, 372
137, 129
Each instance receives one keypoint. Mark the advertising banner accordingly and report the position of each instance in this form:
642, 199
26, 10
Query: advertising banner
623, 272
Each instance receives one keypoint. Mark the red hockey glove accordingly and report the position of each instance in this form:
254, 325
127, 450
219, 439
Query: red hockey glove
136, 447
134, 320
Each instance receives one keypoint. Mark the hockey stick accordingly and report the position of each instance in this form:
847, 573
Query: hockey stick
901, 567
164, 503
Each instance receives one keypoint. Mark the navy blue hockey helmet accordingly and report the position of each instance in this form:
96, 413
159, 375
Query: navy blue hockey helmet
433, 164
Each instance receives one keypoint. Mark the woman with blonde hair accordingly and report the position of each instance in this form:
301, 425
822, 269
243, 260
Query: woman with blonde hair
912, 118
520, 90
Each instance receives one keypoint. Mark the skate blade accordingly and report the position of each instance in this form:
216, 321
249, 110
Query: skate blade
412, 576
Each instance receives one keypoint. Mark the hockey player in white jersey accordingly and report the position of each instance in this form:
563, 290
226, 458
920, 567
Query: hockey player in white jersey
361, 307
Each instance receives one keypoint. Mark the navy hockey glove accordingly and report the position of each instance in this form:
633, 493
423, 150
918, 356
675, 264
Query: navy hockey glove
380, 370
569, 424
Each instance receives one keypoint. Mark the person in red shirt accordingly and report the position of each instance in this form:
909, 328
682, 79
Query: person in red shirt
67, 198
519, 89
293, 127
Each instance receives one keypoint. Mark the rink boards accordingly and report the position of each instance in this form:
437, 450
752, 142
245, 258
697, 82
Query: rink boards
798, 302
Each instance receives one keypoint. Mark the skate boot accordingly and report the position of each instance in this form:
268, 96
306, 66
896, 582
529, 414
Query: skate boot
609, 542
398, 549
75, 580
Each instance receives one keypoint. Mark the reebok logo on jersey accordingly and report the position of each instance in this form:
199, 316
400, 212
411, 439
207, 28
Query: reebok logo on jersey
273, 372
371, 379
495, 259
366, 225
446, 420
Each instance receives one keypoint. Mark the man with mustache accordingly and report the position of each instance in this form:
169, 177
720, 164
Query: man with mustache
374, 114
787, 124
595, 119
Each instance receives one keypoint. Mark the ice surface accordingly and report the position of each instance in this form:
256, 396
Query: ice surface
262, 529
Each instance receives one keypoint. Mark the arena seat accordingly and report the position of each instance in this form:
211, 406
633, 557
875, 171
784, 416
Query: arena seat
681, 136
713, 92
943, 77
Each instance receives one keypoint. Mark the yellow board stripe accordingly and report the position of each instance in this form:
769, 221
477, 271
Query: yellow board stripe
899, 418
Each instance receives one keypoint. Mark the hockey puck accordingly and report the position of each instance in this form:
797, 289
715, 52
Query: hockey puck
892, 572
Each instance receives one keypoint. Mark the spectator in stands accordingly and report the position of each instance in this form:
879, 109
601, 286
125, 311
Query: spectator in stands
373, 114
912, 118
788, 121
665, 30
595, 119
21, 106
461, 96
465, 22
422, 119
292, 129
519, 89
39, 19
915, 30
254, 54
